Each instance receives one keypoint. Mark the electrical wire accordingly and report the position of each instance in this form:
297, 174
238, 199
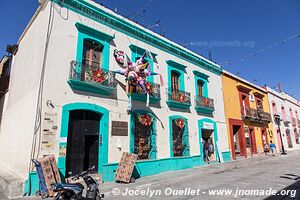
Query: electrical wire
268, 48
35, 148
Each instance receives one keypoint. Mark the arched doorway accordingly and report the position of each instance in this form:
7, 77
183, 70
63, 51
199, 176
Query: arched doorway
83, 141
83, 138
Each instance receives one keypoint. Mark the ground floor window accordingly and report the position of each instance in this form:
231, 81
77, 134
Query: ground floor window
144, 136
289, 138
180, 138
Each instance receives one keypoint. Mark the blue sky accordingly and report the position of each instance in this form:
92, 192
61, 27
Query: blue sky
255, 24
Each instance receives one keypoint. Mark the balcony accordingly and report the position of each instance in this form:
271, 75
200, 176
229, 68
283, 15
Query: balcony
293, 121
152, 88
178, 99
286, 120
254, 115
264, 116
204, 105
92, 79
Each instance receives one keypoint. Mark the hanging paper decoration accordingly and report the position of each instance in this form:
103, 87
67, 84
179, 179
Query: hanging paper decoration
182, 98
145, 119
98, 76
135, 73
180, 123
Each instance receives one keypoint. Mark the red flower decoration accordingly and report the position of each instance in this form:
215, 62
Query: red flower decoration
206, 102
149, 87
98, 76
146, 119
180, 123
182, 98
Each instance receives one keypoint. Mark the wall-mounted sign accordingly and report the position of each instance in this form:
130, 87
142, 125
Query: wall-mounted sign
119, 128
49, 129
207, 125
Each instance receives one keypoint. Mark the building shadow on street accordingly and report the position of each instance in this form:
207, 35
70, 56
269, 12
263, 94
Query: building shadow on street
290, 192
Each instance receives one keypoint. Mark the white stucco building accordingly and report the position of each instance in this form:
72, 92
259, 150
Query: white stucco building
288, 108
56, 106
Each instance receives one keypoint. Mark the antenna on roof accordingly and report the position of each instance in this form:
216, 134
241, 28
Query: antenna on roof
210, 54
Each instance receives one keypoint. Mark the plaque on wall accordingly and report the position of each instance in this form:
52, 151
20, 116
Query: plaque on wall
119, 128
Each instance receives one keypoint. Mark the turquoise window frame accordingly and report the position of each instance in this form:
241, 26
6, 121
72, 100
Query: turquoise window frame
103, 132
137, 51
185, 136
153, 137
204, 79
180, 69
85, 32
216, 139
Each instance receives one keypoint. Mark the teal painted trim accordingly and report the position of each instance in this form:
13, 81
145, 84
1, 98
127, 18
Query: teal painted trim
176, 65
179, 70
32, 184
138, 52
143, 98
103, 131
204, 110
201, 75
151, 167
176, 104
226, 156
200, 125
95, 13
85, 32
185, 136
153, 151
89, 87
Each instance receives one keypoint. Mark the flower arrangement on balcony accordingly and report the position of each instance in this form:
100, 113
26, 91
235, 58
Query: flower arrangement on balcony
98, 76
145, 120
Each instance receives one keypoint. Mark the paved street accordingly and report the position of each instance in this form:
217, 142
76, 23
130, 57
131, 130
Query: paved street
260, 173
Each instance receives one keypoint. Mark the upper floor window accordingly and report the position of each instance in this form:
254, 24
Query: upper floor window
175, 81
274, 108
259, 104
92, 53
200, 85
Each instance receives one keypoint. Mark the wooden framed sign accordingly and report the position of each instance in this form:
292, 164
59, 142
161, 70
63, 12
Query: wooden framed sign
119, 128
125, 167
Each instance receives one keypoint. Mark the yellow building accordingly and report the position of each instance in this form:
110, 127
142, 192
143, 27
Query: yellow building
247, 116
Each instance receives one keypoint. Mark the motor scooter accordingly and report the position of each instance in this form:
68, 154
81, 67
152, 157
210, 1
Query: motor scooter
74, 191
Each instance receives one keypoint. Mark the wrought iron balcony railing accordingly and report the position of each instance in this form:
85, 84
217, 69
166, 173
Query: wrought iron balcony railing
255, 115
152, 88
264, 116
177, 98
91, 78
248, 112
204, 104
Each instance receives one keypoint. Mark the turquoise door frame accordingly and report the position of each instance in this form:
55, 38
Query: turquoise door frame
200, 127
185, 136
103, 132
153, 150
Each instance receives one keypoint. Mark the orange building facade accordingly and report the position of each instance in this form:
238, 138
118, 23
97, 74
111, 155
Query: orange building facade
247, 116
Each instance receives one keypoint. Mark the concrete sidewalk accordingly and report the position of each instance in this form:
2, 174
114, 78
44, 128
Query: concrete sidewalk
170, 177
